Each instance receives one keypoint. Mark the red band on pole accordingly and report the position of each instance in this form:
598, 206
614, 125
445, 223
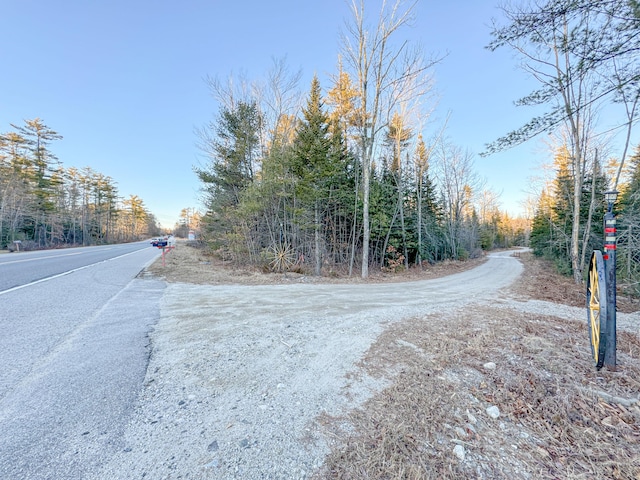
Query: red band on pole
610, 247
610, 230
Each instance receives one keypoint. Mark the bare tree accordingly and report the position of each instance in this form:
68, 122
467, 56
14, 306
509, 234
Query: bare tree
380, 66
569, 48
457, 182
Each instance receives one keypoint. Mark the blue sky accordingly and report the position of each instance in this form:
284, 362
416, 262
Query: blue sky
123, 81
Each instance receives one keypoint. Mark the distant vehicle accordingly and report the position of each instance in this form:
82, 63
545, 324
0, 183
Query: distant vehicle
167, 240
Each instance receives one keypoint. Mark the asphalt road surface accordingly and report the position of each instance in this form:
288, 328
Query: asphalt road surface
19, 269
74, 350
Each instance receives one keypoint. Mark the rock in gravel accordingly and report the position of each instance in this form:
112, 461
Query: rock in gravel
459, 452
471, 418
461, 432
493, 412
213, 446
489, 366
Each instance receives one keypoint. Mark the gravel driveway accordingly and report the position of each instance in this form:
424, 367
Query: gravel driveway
239, 375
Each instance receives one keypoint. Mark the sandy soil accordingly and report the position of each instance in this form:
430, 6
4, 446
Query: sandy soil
483, 374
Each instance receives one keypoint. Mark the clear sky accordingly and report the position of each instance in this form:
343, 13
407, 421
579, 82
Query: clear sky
123, 81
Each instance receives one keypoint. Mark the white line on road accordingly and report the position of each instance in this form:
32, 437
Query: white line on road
12, 289
40, 258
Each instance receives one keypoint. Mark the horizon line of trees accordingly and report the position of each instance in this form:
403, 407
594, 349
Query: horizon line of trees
553, 220
289, 196
583, 54
44, 205
344, 180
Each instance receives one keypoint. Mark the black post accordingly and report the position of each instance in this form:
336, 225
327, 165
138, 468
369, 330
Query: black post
610, 239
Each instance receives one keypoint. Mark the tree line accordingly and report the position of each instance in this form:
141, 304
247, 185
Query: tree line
344, 180
296, 201
553, 220
44, 205
584, 56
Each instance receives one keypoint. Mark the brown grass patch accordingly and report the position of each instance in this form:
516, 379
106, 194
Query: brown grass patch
559, 417
542, 282
191, 264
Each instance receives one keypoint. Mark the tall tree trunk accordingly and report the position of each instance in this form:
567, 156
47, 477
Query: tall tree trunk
318, 253
575, 229
366, 226
419, 221
386, 237
354, 226
403, 229
587, 227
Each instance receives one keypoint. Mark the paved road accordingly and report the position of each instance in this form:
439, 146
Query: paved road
22, 268
74, 352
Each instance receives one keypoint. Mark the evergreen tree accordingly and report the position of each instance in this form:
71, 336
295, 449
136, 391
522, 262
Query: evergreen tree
233, 150
428, 213
542, 228
398, 136
43, 204
554, 221
629, 229
312, 164
38, 137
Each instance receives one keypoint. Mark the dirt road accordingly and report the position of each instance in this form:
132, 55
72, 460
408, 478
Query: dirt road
240, 374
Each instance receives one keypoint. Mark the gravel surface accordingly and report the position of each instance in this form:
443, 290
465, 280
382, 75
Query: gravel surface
624, 321
239, 376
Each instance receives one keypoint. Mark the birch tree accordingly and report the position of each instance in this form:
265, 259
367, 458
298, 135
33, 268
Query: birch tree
457, 181
569, 47
380, 61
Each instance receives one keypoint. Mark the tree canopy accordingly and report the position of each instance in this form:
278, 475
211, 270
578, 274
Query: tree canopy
43, 204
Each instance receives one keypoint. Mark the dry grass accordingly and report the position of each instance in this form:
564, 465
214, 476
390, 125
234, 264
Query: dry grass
559, 417
195, 265
542, 282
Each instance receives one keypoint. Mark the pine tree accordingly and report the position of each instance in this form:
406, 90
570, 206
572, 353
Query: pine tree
629, 229
398, 136
542, 228
38, 137
428, 211
312, 164
233, 149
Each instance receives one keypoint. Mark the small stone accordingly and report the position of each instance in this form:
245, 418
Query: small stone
489, 366
213, 446
459, 452
493, 412
471, 418
461, 432
244, 443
